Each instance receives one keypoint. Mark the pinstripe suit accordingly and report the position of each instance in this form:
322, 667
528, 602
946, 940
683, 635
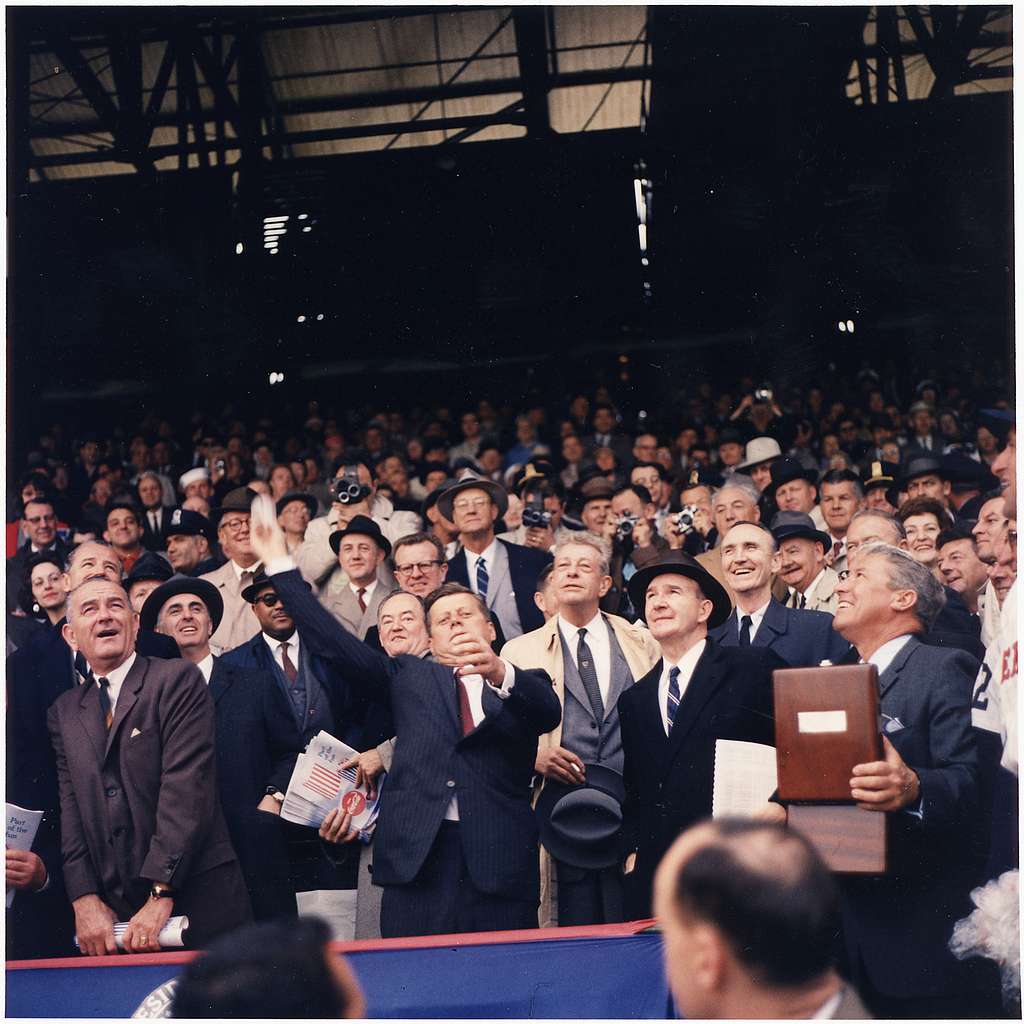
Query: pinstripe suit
489, 770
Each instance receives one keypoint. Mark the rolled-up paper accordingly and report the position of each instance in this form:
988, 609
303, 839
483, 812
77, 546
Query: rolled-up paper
172, 935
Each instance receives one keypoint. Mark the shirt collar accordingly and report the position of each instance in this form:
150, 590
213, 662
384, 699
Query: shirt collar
238, 570
117, 676
367, 590
571, 632
487, 554
206, 667
886, 654
273, 644
687, 663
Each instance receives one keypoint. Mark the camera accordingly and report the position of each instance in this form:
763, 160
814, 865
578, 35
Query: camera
624, 530
535, 514
684, 519
764, 393
348, 489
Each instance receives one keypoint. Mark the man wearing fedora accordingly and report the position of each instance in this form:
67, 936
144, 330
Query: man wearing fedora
697, 692
295, 510
503, 575
256, 740
925, 476
798, 637
190, 540
792, 488
238, 623
810, 581
878, 482
759, 456
591, 658
361, 549
145, 576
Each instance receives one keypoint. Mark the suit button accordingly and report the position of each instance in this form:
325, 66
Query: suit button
593, 725
111, 790
118, 832
450, 783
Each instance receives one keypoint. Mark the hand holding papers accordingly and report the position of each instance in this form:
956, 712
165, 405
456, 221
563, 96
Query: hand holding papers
172, 936
321, 783
22, 826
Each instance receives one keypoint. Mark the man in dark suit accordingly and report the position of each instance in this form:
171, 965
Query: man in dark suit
456, 843
897, 925
155, 517
191, 542
142, 831
37, 674
39, 521
256, 739
504, 575
697, 693
798, 637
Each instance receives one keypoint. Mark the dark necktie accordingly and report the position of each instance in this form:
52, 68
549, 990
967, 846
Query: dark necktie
482, 578
290, 671
361, 596
465, 711
745, 623
154, 521
103, 688
588, 673
673, 696
837, 547
798, 600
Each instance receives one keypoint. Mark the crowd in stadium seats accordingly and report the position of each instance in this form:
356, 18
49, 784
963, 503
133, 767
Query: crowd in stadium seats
532, 623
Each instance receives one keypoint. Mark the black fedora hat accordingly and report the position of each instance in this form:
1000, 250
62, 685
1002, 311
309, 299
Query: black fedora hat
469, 482
786, 470
580, 824
921, 465
149, 566
681, 564
307, 499
203, 589
365, 526
967, 474
787, 525
238, 500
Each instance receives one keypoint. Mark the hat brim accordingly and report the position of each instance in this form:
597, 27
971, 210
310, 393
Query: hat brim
581, 853
203, 589
307, 499
379, 539
709, 586
785, 533
497, 493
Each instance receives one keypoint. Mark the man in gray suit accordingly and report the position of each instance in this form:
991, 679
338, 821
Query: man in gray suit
361, 548
732, 957
143, 833
238, 624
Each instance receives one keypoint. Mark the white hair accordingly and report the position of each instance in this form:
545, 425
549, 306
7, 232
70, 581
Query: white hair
738, 483
589, 540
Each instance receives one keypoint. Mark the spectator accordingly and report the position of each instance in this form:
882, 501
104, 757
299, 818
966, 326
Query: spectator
294, 512
924, 518
960, 567
841, 497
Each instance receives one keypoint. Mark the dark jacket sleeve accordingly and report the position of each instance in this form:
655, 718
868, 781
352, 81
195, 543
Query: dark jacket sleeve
187, 801
533, 700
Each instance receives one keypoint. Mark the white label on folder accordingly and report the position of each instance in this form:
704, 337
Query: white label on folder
821, 721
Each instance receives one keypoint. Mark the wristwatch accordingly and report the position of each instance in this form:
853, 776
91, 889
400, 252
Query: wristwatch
275, 793
159, 891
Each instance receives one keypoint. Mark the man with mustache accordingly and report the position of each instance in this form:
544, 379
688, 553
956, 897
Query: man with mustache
802, 566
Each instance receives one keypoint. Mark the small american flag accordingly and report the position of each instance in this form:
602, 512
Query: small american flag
324, 781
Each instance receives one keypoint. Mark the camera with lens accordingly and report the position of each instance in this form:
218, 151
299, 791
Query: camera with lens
685, 518
764, 393
535, 514
624, 529
348, 489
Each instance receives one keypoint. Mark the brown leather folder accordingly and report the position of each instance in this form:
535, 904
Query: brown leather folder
826, 721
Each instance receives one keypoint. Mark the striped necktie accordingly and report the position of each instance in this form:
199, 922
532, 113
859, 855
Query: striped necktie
481, 577
673, 697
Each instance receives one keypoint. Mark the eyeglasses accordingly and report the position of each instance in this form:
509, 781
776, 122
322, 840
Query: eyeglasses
268, 599
36, 520
235, 525
463, 503
412, 567
845, 574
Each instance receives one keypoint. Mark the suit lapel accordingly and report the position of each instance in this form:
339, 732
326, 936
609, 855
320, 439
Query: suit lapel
445, 679
888, 679
221, 679
650, 711
126, 699
620, 675
704, 682
773, 625
729, 635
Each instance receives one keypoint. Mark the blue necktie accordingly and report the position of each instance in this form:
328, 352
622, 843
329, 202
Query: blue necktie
745, 623
673, 696
481, 577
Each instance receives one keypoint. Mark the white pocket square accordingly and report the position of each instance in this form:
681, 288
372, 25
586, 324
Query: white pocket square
135, 732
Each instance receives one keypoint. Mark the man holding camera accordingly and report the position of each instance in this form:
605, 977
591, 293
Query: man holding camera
635, 543
353, 493
543, 500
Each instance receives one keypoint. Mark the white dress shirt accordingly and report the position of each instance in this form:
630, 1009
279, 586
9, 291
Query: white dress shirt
687, 663
808, 594
206, 667
600, 648
239, 570
488, 555
116, 679
275, 649
367, 592
755, 618
884, 656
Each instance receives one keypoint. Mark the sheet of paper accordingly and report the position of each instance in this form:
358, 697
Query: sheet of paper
172, 935
746, 775
319, 784
22, 826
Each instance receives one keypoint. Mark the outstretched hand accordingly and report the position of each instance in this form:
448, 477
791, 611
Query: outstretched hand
265, 534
